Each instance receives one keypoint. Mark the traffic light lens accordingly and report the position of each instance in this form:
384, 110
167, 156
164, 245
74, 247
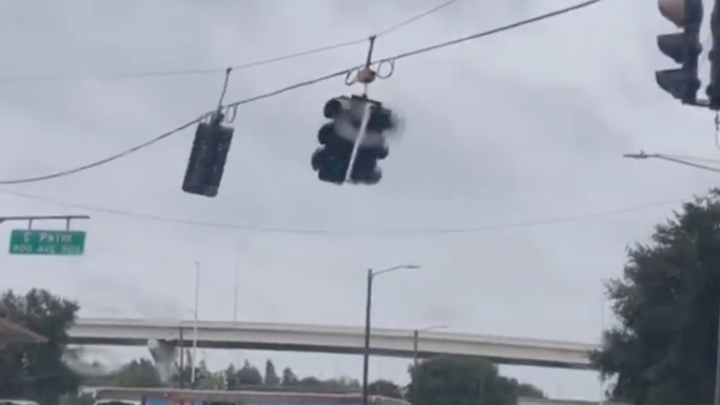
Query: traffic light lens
673, 10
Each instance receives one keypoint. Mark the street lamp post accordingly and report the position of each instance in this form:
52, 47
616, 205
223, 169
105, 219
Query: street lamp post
196, 320
416, 341
236, 285
371, 274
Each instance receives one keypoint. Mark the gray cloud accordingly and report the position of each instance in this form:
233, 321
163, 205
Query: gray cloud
518, 127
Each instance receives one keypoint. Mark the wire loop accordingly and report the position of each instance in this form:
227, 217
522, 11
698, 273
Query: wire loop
230, 114
383, 69
390, 63
367, 73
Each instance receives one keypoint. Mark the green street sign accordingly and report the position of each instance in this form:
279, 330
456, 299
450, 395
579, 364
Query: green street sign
47, 242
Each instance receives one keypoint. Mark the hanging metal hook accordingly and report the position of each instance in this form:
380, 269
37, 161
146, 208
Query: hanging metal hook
224, 89
224, 114
365, 74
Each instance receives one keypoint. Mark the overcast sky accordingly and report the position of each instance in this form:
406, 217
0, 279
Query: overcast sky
521, 127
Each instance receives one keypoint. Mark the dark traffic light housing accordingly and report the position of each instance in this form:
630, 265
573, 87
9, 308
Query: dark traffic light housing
208, 157
683, 47
713, 88
337, 139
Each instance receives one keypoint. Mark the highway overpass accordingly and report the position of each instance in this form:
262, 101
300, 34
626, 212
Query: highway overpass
330, 339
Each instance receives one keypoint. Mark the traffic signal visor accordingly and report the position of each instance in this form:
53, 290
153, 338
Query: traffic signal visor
674, 46
673, 10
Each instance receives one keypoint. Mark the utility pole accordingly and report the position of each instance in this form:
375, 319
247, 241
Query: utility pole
366, 346
713, 92
713, 89
371, 274
236, 285
716, 399
416, 361
181, 371
415, 382
196, 320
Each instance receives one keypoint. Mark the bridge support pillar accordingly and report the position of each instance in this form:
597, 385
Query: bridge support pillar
164, 355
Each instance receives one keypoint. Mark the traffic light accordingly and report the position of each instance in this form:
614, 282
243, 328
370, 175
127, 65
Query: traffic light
208, 157
682, 47
713, 89
338, 136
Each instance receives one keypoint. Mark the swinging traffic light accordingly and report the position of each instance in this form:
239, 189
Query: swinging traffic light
208, 157
332, 159
338, 136
682, 47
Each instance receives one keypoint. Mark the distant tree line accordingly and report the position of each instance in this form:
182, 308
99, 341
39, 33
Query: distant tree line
440, 380
51, 373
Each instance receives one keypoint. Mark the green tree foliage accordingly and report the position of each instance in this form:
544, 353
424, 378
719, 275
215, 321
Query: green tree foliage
385, 388
527, 390
211, 381
289, 378
249, 375
75, 399
663, 349
139, 373
37, 371
271, 378
451, 380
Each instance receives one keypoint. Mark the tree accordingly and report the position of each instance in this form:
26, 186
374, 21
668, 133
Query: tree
662, 350
212, 381
385, 388
271, 377
77, 399
38, 371
230, 378
249, 375
310, 382
528, 390
289, 378
452, 380
140, 373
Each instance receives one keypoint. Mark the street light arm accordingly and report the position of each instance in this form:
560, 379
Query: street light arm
432, 327
640, 155
395, 268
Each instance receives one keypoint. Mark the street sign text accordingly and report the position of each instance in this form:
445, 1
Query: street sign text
47, 242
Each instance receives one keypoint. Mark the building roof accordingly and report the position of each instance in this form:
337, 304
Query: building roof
11, 332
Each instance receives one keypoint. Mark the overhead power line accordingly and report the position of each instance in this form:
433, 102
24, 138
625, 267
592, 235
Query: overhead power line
295, 86
554, 220
263, 62
416, 18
